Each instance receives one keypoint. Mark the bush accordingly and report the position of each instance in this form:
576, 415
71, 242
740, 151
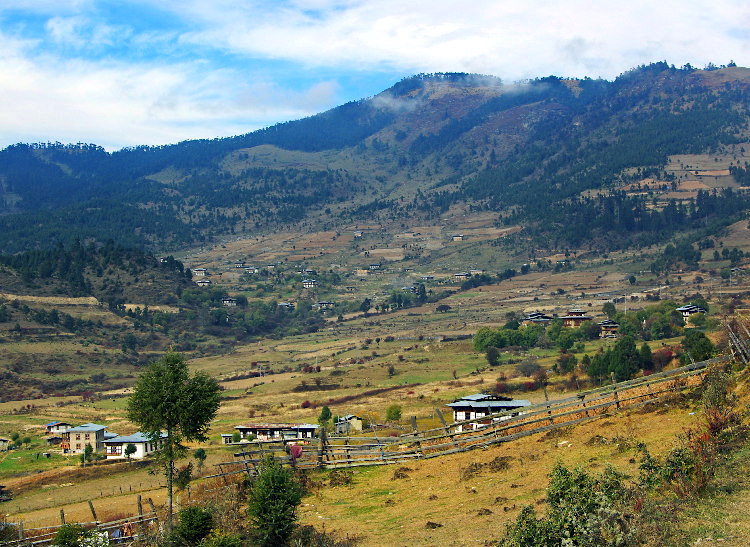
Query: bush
583, 510
195, 523
393, 413
221, 539
274, 497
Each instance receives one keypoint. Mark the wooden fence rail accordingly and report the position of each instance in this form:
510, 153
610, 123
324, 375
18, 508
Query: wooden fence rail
345, 452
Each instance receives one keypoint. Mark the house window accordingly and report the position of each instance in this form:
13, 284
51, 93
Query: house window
88, 436
78, 446
114, 450
78, 436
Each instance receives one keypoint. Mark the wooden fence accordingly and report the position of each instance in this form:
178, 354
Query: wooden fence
123, 531
349, 452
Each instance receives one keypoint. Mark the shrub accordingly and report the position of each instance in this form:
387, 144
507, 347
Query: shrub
272, 507
221, 539
393, 413
583, 510
195, 523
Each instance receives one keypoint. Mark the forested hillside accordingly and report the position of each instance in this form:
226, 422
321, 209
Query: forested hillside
553, 155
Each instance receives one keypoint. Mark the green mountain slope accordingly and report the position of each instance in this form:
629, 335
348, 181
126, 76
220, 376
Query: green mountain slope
549, 154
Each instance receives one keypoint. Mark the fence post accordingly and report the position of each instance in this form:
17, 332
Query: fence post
445, 425
20, 529
93, 512
62, 517
141, 529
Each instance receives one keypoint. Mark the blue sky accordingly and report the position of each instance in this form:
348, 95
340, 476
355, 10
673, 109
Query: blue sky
127, 72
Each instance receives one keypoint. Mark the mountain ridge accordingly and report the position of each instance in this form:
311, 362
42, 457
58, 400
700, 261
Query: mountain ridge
427, 142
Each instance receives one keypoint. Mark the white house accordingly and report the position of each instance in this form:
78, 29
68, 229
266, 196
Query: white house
346, 424
144, 445
57, 428
200, 272
480, 405
277, 432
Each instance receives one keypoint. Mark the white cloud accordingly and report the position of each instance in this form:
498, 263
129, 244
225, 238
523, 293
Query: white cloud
115, 103
511, 38
212, 70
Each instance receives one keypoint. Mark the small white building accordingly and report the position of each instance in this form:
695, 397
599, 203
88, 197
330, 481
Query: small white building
57, 428
346, 424
144, 445
480, 406
203, 282
229, 302
277, 432
309, 283
200, 272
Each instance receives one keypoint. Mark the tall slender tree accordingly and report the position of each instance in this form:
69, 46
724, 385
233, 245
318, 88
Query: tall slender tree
166, 399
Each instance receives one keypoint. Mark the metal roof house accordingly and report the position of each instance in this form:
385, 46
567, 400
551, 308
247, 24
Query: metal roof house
76, 438
277, 432
480, 406
144, 445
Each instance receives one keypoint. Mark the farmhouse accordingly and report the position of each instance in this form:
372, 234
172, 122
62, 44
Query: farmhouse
203, 282
358, 233
575, 318
286, 306
200, 272
346, 424
427, 277
251, 270
309, 283
461, 276
277, 432
76, 438
457, 237
144, 445
325, 305
689, 309
375, 266
56, 428
608, 328
411, 289
4, 444
479, 406
536, 318
239, 264
229, 302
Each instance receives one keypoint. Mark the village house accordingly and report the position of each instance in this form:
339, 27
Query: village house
325, 305
144, 445
375, 266
689, 309
229, 302
608, 328
239, 264
358, 233
461, 276
4, 444
350, 289
276, 432
203, 282
200, 272
457, 237
309, 283
480, 406
346, 424
476, 272
536, 318
427, 277
411, 289
251, 270
575, 318
286, 306
57, 428
76, 438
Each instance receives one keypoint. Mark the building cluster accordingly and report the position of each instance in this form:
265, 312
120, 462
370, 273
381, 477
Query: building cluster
74, 440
